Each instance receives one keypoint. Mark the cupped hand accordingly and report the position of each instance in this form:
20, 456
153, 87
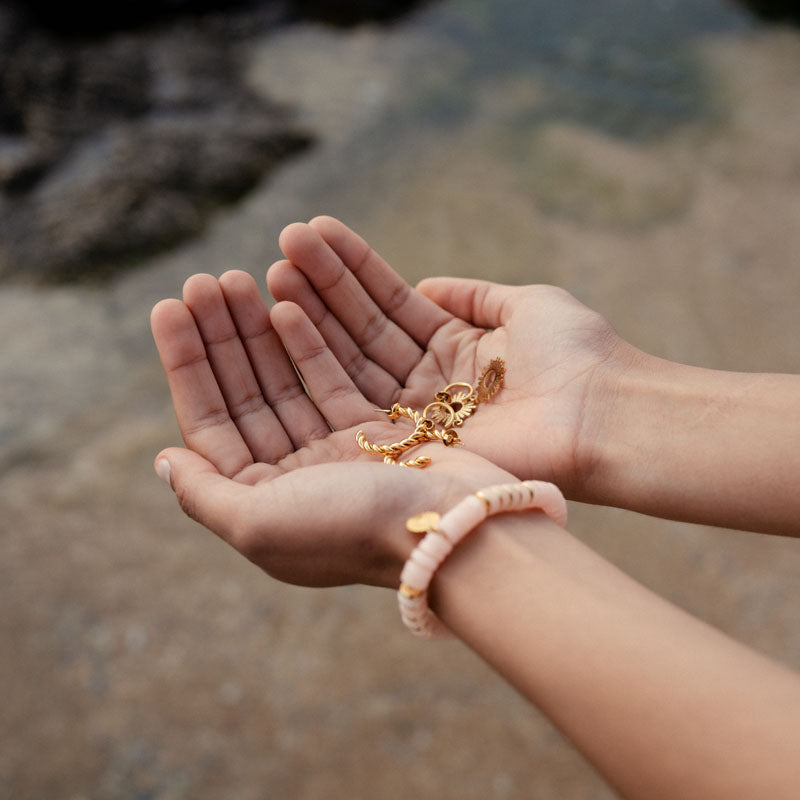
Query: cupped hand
272, 467
400, 344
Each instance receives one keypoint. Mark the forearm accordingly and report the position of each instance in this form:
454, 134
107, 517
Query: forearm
699, 445
660, 703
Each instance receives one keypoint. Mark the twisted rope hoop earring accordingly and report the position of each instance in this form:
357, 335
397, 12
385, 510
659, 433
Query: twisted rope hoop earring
424, 431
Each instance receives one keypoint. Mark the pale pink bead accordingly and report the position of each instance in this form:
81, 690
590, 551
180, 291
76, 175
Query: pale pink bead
510, 497
436, 546
410, 603
528, 495
420, 619
415, 575
558, 505
420, 557
521, 495
415, 615
494, 499
548, 497
462, 518
502, 498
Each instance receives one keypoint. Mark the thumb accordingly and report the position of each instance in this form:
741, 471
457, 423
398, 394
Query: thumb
480, 303
204, 494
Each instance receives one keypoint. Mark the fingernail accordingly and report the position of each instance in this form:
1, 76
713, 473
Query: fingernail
162, 470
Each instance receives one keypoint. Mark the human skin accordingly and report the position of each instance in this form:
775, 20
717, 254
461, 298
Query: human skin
606, 422
257, 444
660, 703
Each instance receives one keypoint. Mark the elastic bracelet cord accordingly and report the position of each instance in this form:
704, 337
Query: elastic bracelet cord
444, 534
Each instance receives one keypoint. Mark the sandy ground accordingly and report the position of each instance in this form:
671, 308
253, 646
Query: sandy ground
142, 659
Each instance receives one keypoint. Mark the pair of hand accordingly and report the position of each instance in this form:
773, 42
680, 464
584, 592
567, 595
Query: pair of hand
271, 464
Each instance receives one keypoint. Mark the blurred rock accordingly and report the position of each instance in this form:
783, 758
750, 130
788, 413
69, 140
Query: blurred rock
137, 187
779, 10
355, 11
122, 130
80, 19
83, 18
116, 147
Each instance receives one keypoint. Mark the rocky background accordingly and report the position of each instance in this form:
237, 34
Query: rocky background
123, 127
644, 156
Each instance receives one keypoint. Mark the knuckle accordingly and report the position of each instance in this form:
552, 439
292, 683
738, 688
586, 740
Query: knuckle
356, 365
374, 326
397, 298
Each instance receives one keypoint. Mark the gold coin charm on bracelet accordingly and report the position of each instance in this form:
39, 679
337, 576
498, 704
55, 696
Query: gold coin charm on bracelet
423, 522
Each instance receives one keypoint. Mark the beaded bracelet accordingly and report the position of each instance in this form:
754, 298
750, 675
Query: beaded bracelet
443, 534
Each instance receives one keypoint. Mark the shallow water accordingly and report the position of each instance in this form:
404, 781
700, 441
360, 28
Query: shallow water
644, 155
620, 67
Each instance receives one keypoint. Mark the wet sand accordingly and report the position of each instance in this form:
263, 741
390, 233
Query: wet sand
141, 658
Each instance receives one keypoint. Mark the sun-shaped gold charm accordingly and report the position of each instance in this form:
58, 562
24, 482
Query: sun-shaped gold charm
491, 380
462, 403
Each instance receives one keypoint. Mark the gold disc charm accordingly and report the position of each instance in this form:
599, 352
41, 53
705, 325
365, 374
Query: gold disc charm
491, 380
423, 522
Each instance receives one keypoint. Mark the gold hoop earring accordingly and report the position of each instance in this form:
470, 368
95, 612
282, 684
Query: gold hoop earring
461, 403
453, 404
424, 431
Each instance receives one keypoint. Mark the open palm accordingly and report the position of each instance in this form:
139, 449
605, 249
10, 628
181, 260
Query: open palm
402, 345
272, 465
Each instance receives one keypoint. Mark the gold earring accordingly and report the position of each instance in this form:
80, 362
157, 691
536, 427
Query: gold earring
453, 404
424, 431
491, 380
462, 403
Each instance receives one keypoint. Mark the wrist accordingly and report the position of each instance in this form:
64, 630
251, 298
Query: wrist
614, 397
441, 534
461, 592
636, 415
426, 490
695, 444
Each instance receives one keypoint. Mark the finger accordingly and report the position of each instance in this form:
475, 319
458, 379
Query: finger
286, 282
329, 386
205, 495
203, 418
268, 363
480, 303
225, 350
412, 312
373, 331
299, 419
